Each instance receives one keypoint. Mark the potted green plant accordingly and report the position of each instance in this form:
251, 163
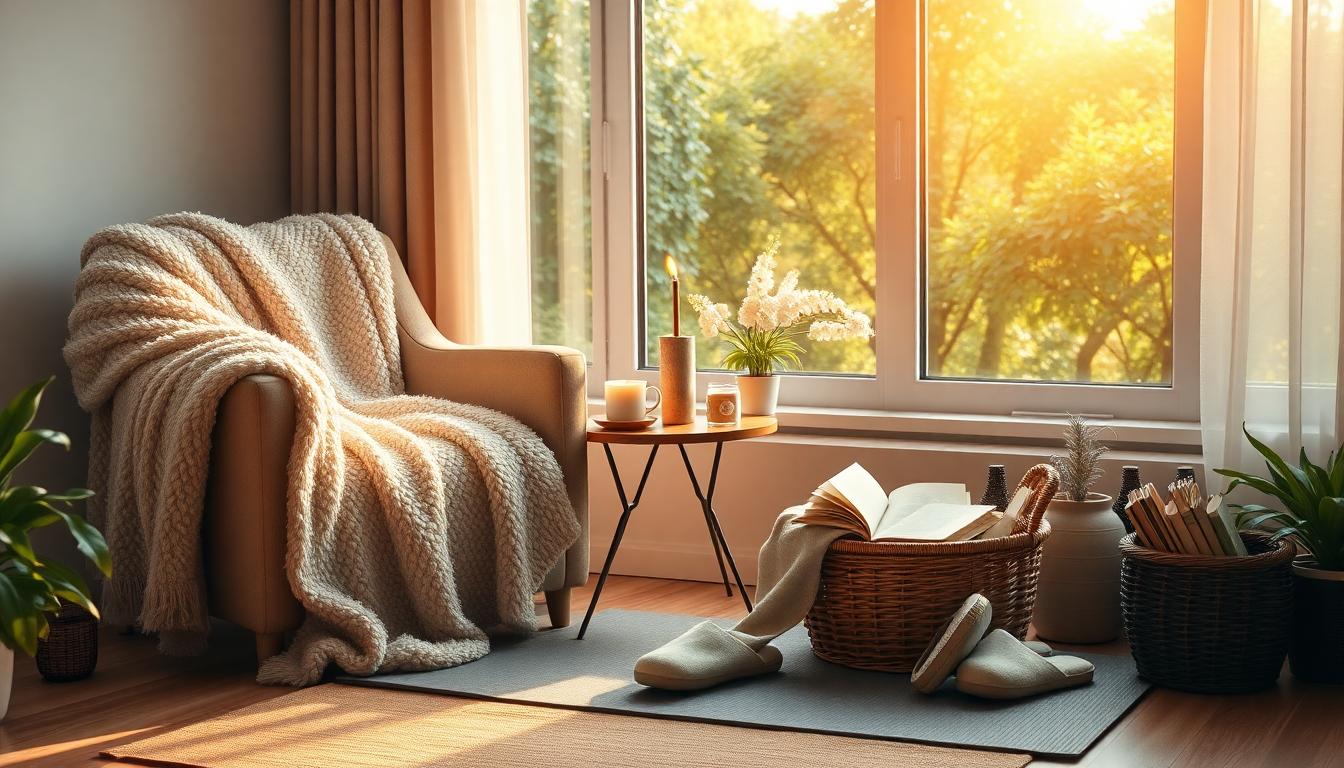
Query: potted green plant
32, 587
1078, 596
1312, 516
769, 321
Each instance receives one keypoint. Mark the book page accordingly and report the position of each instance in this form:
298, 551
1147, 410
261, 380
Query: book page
905, 500
939, 521
857, 491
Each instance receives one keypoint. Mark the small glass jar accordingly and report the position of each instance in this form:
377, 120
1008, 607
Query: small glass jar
722, 404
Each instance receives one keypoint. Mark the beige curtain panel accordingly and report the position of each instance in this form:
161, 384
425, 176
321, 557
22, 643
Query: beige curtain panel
412, 114
361, 137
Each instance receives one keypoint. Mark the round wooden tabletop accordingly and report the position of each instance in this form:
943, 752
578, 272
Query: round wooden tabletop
684, 434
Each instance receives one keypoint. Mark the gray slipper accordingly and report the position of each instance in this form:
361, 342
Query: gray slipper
1039, 648
1003, 667
952, 643
704, 656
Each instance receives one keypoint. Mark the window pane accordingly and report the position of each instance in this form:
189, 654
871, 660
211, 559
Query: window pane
1048, 190
758, 121
558, 117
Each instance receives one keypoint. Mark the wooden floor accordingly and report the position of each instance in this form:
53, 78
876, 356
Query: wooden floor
136, 693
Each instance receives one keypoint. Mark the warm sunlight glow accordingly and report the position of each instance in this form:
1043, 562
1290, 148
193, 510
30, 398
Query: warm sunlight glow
671, 265
794, 7
1121, 16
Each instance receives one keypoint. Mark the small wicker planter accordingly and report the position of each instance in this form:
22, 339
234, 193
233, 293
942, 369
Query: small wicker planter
879, 603
70, 651
1208, 624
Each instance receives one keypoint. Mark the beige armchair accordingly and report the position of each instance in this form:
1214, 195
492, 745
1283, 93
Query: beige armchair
244, 525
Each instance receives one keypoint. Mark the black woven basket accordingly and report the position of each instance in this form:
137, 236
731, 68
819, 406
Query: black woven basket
1208, 624
70, 651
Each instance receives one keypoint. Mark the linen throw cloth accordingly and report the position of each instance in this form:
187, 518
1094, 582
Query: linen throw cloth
788, 574
414, 523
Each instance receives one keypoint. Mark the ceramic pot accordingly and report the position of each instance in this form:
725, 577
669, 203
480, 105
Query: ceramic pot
6, 677
760, 394
1316, 650
1078, 596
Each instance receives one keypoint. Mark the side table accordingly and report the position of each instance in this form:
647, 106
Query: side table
680, 435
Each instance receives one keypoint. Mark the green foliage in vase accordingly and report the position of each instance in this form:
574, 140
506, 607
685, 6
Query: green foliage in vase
1080, 466
1312, 497
32, 586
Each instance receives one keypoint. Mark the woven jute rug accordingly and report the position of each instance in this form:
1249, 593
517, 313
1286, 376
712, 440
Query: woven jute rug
339, 725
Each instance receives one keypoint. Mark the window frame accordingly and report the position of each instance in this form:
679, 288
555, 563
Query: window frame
618, 259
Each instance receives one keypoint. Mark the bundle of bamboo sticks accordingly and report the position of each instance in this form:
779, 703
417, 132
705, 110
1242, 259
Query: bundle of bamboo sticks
1187, 523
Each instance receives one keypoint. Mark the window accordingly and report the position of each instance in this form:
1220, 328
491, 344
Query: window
561, 200
1048, 145
757, 124
1011, 190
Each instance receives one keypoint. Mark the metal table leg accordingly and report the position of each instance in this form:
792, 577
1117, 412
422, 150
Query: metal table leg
627, 506
716, 533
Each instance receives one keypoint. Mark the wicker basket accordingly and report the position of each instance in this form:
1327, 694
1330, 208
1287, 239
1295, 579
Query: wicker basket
70, 650
1208, 624
879, 603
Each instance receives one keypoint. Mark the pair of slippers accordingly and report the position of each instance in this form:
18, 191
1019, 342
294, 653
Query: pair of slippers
994, 665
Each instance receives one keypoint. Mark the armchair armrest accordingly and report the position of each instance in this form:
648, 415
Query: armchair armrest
541, 386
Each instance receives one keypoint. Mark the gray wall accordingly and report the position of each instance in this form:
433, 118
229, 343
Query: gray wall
114, 111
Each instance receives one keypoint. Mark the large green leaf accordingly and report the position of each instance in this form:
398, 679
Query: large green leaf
12, 500
24, 445
71, 495
89, 540
1336, 464
15, 617
1248, 520
16, 416
1317, 480
1258, 483
1328, 548
16, 539
67, 585
1277, 464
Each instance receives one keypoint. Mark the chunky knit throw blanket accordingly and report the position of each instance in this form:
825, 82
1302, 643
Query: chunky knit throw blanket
413, 523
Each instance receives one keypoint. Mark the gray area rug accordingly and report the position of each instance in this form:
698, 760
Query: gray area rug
552, 668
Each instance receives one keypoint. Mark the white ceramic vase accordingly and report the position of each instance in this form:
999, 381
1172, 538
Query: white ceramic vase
760, 394
6, 677
1078, 597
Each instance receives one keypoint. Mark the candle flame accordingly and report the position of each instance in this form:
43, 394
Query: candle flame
671, 265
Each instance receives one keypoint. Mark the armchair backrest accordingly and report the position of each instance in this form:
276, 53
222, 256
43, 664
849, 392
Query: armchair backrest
413, 323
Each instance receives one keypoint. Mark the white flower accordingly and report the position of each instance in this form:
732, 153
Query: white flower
767, 308
851, 325
713, 317
757, 311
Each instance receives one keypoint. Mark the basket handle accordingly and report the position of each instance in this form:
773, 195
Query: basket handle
1043, 479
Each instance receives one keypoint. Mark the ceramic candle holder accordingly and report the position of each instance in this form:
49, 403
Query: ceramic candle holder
676, 361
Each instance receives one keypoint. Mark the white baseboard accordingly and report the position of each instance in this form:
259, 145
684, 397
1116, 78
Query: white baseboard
666, 560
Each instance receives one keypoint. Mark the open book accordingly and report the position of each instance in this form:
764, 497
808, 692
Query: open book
854, 501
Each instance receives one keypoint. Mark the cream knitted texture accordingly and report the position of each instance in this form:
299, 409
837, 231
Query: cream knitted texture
413, 522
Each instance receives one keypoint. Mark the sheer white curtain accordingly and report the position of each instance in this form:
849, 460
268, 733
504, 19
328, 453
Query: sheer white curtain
1270, 270
479, 66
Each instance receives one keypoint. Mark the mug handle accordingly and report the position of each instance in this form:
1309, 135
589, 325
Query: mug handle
649, 410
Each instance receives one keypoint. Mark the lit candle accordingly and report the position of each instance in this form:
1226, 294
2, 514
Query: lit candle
671, 265
625, 399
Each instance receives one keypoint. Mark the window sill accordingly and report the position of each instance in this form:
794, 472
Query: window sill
1155, 436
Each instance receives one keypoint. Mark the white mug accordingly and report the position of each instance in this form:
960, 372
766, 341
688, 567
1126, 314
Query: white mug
626, 399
